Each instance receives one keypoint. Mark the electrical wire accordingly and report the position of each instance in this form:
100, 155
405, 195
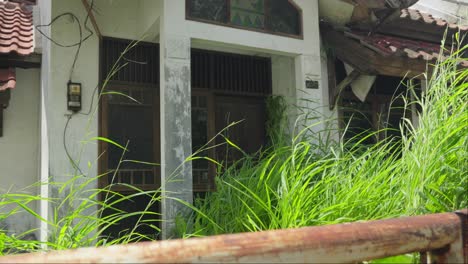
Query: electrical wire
80, 29
64, 142
78, 49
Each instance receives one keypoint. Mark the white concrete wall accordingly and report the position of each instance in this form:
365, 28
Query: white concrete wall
284, 84
128, 19
150, 12
116, 18
19, 146
81, 128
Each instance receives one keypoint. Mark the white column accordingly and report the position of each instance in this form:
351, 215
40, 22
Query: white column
45, 17
176, 133
309, 93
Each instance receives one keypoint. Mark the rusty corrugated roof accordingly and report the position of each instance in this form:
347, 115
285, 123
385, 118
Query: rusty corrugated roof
16, 28
7, 79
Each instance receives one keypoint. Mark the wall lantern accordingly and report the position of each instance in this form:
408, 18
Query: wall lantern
74, 96
4, 100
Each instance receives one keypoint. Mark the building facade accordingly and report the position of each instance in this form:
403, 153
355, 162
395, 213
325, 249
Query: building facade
195, 67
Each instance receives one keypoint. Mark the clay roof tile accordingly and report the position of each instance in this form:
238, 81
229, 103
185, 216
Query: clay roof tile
16, 28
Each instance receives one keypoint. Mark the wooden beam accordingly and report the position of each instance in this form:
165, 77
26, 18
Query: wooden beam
440, 234
331, 81
343, 84
92, 18
368, 61
14, 60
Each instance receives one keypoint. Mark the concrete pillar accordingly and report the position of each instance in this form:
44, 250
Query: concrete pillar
45, 7
309, 93
176, 133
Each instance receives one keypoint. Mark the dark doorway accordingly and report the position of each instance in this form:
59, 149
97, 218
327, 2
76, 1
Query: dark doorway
129, 116
227, 88
382, 112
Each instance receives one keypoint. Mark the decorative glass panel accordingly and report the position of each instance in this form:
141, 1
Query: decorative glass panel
248, 13
284, 17
276, 16
214, 10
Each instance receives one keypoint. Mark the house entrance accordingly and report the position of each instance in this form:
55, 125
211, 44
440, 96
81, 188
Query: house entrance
226, 88
130, 117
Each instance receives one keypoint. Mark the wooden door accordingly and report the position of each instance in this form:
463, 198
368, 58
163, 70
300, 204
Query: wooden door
248, 134
130, 117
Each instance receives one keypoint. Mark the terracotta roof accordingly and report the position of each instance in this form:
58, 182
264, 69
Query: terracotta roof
425, 18
396, 46
7, 79
16, 28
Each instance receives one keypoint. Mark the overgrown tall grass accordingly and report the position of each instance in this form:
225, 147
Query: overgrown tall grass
297, 181
290, 185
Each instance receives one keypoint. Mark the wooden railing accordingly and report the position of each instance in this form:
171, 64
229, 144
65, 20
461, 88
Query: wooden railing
441, 238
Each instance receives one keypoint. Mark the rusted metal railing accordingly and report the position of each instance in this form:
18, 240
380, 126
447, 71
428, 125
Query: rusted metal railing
442, 238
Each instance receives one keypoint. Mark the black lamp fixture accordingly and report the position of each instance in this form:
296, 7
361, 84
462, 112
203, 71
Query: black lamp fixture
4, 100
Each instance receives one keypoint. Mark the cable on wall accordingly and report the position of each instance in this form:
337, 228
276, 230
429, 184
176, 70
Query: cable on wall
78, 46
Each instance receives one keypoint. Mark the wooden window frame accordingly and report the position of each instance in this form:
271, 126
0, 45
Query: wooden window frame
103, 131
229, 24
211, 134
103, 117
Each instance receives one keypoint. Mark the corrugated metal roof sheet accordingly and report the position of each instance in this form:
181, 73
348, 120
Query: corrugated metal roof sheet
7, 79
16, 28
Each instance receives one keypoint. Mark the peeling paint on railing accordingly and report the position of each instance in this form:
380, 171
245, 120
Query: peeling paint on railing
440, 235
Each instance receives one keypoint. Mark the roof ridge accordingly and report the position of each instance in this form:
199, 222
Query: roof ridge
427, 18
16, 28
13, 6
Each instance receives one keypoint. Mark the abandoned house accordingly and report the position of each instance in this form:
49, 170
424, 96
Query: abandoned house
198, 65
